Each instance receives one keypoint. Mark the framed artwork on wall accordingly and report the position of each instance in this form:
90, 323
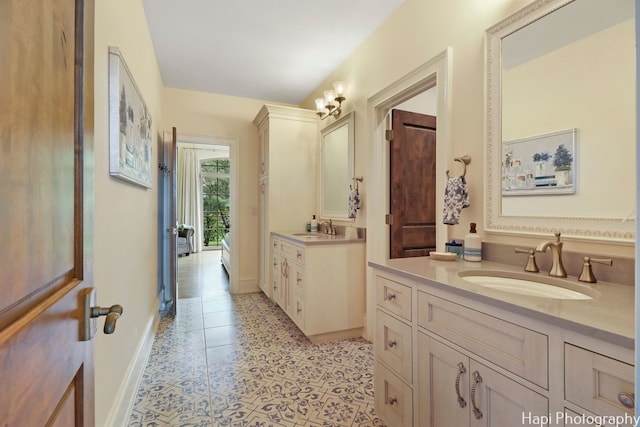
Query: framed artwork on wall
541, 164
130, 131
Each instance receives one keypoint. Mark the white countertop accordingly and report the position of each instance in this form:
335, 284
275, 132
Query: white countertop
608, 316
316, 238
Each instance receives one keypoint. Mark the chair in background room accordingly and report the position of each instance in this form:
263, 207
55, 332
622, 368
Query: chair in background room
185, 239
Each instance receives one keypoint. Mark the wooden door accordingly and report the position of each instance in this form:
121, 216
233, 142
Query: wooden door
413, 184
46, 209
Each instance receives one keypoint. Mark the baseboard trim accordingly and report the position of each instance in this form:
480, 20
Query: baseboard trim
125, 400
248, 286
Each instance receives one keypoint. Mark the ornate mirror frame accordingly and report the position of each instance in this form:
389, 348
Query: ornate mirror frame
611, 230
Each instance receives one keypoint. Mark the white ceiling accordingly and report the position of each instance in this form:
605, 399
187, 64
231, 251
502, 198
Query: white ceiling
277, 50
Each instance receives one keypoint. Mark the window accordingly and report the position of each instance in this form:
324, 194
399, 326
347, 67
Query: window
215, 204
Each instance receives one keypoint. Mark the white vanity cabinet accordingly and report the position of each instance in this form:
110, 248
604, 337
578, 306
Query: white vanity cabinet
482, 396
443, 359
289, 292
456, 389
321, 287
287, 139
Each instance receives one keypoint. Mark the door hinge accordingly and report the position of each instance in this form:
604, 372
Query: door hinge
388, 219
388, 135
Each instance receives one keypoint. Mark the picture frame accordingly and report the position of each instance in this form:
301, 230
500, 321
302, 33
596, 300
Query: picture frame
130, 131
540, 165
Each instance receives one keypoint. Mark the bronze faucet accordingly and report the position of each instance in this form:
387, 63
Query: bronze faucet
329, 229
557, 269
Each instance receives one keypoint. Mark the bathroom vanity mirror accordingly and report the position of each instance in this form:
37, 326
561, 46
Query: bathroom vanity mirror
553, 66
337, 168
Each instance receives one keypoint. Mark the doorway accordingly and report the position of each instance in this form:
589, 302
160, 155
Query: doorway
206, 144
203, 204
412, 170
434, 73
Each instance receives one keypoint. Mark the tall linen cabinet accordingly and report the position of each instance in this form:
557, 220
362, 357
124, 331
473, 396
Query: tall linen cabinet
287, 177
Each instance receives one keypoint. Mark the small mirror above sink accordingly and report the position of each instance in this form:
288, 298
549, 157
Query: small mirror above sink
337, 157
528, 285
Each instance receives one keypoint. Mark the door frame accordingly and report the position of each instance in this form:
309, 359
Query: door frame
435, 72
234, 187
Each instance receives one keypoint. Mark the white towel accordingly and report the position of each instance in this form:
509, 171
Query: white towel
354, 203
456, 197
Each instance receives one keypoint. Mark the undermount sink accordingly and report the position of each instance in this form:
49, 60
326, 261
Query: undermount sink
529, 285
311, 235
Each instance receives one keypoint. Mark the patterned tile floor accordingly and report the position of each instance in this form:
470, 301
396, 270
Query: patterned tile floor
239, 361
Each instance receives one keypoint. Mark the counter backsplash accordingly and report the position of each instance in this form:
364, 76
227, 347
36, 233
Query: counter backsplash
622, 271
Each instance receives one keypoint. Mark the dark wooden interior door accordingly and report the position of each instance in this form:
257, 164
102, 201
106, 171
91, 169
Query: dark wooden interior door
46, 209
413, 184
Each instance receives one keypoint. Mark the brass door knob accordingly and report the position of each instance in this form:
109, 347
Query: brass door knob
113, 313
90, 312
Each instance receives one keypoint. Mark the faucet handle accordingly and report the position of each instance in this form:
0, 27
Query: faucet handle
557, 234
587, 272
531, 266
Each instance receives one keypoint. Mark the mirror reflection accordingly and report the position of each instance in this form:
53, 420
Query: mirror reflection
337, 158
563, 66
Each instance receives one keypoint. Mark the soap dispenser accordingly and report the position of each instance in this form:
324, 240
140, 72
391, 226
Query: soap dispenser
472, 245
314, 223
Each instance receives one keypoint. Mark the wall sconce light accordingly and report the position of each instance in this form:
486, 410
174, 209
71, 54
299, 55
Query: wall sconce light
331, 104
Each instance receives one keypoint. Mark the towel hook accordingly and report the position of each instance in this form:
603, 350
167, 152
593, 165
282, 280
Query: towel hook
357, 179
465, 160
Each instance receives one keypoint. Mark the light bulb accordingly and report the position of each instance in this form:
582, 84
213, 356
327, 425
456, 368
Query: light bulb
339, 88
328, 96
320, 105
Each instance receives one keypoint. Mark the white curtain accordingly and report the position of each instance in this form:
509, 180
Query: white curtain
190, 194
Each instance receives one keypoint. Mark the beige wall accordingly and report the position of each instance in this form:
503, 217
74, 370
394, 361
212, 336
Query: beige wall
207, 114
126, 244
605, 152
417, 32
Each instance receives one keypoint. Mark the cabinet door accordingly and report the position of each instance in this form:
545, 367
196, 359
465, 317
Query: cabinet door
498, 401
280, 283
443, 384
296, 311
455, 390
297, 281
265, 243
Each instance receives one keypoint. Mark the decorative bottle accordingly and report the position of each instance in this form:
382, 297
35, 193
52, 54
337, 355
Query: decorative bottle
472, 245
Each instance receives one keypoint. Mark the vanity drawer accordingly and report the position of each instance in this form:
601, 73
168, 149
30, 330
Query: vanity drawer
393, 398
593, 381
515, 348
393, 345
394, 296
292, 251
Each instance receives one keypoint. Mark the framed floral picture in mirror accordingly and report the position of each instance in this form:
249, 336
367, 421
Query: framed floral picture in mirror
541, 164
